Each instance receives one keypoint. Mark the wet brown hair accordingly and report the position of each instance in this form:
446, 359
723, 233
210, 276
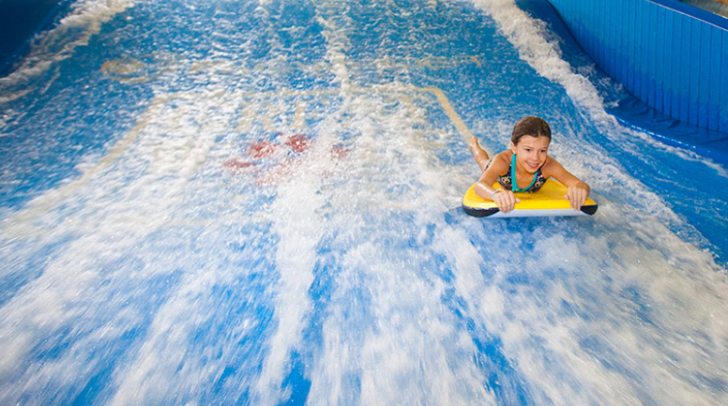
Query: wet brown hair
533, 126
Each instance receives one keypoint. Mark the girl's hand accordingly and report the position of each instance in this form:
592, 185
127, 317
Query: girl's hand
577, 195
505, 200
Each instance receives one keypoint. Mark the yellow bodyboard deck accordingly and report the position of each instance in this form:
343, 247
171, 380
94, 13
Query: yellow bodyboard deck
548, 201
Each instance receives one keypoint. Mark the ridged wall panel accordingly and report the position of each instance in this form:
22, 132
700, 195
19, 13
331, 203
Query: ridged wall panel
672, 56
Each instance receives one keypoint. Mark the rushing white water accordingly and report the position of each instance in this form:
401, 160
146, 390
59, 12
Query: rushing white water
272, 217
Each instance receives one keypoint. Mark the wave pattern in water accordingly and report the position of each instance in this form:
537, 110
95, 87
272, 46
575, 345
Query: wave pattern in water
257, 203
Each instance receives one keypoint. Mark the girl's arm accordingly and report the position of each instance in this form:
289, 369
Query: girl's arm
505, 199
577, 190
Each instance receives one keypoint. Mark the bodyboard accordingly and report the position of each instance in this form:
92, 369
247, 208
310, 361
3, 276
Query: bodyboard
547, 201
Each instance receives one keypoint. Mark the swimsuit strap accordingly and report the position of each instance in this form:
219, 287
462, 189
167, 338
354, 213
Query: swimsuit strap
514, 181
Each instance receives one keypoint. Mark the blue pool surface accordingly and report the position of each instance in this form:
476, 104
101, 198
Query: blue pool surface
258, 202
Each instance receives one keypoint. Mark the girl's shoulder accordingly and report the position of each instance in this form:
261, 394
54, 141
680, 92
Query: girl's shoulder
499, 164
551, 167
504, 156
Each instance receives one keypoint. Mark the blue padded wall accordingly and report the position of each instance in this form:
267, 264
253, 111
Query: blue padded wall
671, 55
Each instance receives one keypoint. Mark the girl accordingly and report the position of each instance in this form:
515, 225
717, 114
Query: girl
524, 168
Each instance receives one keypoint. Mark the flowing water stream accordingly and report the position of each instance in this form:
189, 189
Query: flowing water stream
257, 202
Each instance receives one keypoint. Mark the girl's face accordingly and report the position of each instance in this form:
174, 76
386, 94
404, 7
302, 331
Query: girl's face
531, 152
